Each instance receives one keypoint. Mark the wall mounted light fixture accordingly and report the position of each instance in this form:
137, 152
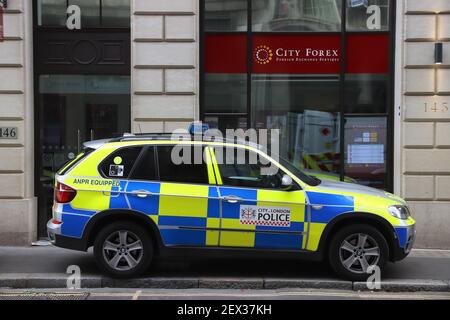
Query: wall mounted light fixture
438, 53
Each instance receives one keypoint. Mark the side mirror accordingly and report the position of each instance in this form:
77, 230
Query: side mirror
286, 182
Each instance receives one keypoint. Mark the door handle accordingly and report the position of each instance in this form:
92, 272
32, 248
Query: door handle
232, 199
141, 193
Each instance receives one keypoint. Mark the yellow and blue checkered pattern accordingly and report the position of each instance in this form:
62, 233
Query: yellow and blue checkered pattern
197, 215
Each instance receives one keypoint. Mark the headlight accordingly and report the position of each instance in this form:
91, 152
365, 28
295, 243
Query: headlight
399, 212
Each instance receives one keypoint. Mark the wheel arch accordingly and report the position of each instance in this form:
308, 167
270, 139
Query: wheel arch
112, 215
371, 219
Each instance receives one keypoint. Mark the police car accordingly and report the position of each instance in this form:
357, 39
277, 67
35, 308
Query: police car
132, 201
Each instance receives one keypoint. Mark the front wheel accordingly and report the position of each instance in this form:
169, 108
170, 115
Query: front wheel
355, 249
123, 249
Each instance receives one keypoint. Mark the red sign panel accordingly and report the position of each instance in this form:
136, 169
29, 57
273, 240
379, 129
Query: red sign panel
297, 54
226, 53
312, 54
368, 53
1, 24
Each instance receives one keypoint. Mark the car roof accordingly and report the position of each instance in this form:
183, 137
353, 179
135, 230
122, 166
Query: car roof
165, 137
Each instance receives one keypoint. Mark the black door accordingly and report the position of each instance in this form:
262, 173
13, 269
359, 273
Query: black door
82, 85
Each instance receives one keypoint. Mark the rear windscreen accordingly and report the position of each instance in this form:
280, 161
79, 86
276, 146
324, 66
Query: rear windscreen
69, 165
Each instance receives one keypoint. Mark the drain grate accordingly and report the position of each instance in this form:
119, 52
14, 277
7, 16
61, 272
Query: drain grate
43, 296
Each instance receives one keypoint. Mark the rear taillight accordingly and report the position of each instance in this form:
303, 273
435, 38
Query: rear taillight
54, 221
63, 193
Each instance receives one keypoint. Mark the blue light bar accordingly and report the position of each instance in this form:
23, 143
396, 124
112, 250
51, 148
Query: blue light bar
198, 128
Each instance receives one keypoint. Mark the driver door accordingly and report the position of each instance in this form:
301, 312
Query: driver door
255, 210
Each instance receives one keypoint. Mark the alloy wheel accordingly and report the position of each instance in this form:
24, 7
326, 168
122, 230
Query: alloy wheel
359, 251
123, 250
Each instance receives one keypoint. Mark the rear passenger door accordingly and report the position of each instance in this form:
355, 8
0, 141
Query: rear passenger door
142, 189
188, 208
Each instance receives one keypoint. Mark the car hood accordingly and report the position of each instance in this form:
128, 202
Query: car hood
330, 185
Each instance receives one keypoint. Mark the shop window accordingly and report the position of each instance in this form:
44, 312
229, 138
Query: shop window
226, 121
225, 93
52, 12
365, 150
90, 12
225, 80
366, 93
294, 66
225, 15
94, 13
305, 110
367, 15
116, 13
296, 15
78, 108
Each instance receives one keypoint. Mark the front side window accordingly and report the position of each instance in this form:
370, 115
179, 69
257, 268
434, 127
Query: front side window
183, 164
243, 168
118, 165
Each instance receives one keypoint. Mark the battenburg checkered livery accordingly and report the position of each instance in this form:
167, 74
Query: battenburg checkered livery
129, 199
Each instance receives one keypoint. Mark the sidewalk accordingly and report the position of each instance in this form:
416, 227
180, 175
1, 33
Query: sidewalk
45, 267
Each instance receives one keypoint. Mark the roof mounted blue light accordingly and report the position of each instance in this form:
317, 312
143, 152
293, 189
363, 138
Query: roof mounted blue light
198, 128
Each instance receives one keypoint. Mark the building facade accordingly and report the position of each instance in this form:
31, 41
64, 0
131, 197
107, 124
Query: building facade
358, 89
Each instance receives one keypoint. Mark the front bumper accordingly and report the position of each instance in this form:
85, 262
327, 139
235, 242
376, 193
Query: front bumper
410, 238
401, 252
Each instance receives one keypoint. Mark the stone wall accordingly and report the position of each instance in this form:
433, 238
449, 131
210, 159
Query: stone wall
17, 203
426, 119
165, 54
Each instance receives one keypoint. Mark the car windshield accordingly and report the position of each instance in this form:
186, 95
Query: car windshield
310, 180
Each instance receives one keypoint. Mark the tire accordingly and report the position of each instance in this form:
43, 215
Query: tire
349, 259
123, 249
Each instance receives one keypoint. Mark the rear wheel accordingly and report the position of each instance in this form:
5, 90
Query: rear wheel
355, 248
123, 249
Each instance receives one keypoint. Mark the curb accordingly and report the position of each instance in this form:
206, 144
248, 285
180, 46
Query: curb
307, 284
59, 281
231, 283
150, 283
40, 281
407, 286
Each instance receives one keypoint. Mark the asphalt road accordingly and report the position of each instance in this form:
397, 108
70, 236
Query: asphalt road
56, 260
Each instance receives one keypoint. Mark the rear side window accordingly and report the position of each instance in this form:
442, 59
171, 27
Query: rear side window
69, 165
190, 172
118, 165
146, 167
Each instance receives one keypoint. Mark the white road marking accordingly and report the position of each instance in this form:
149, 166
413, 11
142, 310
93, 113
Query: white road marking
136, 295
